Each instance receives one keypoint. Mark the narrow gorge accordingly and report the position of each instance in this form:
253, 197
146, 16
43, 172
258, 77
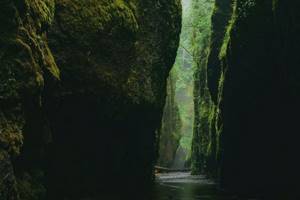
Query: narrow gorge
97, 96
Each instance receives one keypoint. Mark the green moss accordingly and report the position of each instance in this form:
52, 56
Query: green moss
114, 57
211, 75
170, 134
109, 16
229, 28
26, 61
43, 11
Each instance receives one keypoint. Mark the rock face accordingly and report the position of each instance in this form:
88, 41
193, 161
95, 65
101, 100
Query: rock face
170, 134
257, 94
114, 58
87, 115
204, 154
261, 95
26, 66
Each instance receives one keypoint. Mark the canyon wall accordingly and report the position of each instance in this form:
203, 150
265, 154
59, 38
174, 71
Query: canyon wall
169, 135
82, 93
27, 66
254, 82
260, 98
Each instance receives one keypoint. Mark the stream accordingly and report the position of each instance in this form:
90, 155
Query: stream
174, 186
183, 186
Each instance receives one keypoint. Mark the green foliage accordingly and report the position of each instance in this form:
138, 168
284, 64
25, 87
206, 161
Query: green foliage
194, 44
183, 71
170, 134
203, 138
182, 75
226, 40
208, 123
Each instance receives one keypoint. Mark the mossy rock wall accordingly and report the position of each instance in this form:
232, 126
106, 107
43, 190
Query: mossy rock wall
220, 20
261, 104
27, 65
257, 98
205, 148
114, 58
169, 135
81, 113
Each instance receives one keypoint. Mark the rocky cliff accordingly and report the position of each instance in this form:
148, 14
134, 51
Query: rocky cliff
170, 136
260, 98
82, 93
27, 65
254, 81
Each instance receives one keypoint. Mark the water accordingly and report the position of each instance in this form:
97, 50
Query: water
183, 186
172, 186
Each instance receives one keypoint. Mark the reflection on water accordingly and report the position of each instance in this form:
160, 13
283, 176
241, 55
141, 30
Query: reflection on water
183, 186
169, 186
